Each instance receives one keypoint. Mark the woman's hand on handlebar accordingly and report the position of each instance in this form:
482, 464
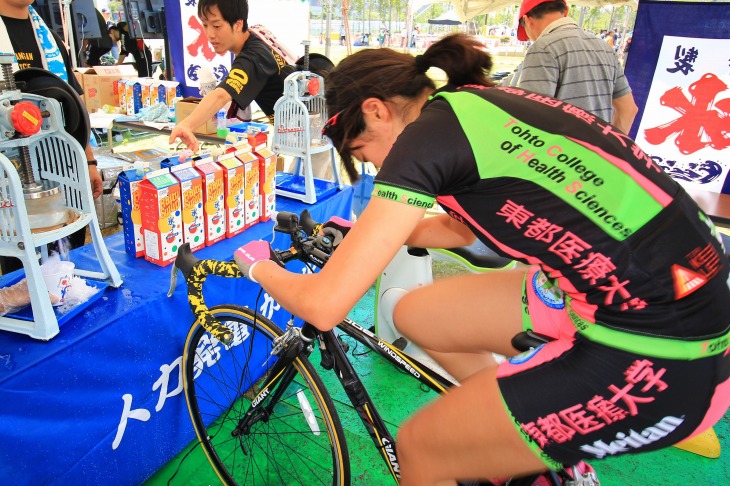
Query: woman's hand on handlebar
338, 225
253, 252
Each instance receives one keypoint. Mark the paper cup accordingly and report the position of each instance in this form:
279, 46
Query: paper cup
58, 280
207, 87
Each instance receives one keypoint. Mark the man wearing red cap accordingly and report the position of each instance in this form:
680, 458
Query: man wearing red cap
572, 65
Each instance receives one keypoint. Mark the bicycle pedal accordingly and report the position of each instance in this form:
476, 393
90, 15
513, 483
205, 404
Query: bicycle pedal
401, 344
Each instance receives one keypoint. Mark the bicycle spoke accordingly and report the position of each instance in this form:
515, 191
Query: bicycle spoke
275, 444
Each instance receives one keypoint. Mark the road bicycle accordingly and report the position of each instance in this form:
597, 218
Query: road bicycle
258, 405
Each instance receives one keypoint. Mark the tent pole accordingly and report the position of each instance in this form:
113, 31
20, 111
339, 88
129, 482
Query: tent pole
328, 37
68, 31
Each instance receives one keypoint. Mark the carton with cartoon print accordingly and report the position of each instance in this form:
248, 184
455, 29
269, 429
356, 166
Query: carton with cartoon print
191, 197
129, 198
251, 186
161, 217
267, 181
213, 200
233, 183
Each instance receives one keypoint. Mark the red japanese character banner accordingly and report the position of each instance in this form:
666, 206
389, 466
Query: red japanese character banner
680, 76
191, 50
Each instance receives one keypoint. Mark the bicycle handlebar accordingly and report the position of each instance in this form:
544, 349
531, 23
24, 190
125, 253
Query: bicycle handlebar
310, 243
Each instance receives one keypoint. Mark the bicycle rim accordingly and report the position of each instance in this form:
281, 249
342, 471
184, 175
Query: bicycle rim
285, 448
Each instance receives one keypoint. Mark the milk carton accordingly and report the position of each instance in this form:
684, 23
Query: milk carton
122, 94
213, 200
267, 182
191, 196
146, 92
133, 96
251, 186
167, 91
233, 184
129, 196
161, 217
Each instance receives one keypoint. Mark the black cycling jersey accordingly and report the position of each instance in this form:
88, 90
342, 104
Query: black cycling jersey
254, 76
547, 183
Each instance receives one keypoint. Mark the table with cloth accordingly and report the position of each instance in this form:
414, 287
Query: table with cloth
102, 402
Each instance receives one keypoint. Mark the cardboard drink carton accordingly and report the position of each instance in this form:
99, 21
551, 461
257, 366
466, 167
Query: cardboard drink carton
161, 217
213, 200
267, 182
191, 196
133, 96
129, 196
233, 183
146, 92
251, 186
167, 91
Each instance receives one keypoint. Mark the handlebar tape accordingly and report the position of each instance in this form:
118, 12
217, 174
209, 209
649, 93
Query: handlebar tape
198, 273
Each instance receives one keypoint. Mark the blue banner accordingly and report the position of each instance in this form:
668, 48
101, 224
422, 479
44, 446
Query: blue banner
102, 402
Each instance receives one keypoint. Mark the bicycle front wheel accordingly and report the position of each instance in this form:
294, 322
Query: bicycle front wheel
297, 440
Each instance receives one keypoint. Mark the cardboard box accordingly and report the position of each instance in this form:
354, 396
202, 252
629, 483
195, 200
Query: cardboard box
129, 195
99, 85
79, 74
183, 109
191, 195
213, 204
251, 194
233, 184
161, 217
267, 182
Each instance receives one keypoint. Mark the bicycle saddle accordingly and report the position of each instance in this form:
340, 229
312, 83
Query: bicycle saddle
480, 256
43, 83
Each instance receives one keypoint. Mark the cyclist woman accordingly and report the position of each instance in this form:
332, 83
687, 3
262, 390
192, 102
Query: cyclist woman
622, 269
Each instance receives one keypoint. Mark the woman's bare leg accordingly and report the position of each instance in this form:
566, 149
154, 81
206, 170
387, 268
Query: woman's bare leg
460, 321
467, 435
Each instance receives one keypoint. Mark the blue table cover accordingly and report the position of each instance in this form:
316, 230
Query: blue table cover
103, 402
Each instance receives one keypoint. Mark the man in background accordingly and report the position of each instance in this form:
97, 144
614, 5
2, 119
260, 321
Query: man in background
255, 73
95, 48
569, 64
23, 31
109, 24
136, 47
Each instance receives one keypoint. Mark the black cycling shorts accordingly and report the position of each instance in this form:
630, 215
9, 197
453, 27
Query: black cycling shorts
573, 399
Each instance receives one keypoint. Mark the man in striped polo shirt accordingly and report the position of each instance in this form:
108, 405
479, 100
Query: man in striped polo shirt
572, 65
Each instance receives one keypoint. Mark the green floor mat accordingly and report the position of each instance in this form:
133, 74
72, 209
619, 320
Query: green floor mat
391, 389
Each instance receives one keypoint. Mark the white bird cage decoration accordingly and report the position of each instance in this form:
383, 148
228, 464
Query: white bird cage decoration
57, 161
299, 116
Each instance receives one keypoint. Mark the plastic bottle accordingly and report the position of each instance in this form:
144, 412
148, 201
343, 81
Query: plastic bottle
221, 124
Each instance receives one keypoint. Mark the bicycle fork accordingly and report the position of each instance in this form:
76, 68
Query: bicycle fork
291, 345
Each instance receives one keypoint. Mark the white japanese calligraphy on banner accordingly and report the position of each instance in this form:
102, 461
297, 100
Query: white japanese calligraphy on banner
287, 19
686, 119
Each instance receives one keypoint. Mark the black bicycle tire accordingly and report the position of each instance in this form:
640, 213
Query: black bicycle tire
220, 460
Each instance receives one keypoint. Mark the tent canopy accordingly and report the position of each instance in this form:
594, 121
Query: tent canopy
468, 9
447, 18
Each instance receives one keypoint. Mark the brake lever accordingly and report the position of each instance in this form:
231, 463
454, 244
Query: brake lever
173, 279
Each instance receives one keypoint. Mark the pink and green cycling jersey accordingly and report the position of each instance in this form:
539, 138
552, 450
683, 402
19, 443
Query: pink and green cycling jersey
547, 183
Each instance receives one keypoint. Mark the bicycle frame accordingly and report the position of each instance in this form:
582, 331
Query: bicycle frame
299, 341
